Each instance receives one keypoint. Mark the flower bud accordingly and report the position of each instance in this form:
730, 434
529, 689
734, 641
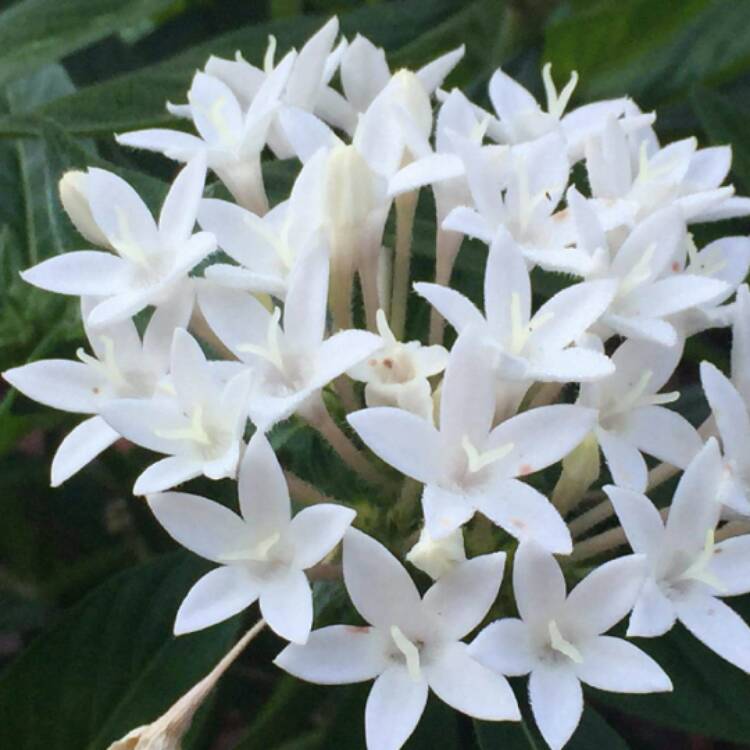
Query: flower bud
436, 557
73, 196
408, 92
580, 469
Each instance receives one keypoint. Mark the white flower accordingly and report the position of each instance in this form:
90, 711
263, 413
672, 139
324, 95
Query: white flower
122, 366
412, 643
631, 416
468, 466
150, 263
680, 174
229, 139
521, 118
262, 552
436, 557
651, 286
396, 374
530, 347
559, 639
199, 425
687, 571
293, 362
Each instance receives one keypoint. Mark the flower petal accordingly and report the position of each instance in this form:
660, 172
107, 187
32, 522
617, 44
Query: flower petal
505, 646
653, 613
639, 519
337, 655
538, 585
624, 461
618, 666
315, 531
394, 707
556, 701
286, 604
217, 596
458, 310
180, 207
172, 143
464, 595
445, 510
81, 446
469, 687
731, 565
83, 272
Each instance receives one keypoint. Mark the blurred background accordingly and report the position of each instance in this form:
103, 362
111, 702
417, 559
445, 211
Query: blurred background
88, 583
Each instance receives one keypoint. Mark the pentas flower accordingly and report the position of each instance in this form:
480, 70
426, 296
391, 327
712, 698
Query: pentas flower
631, 417
290, 357
559, 639
411, 644
263, 552
687, 571
522, 119
651, 287
466, 465
636, 169
530, 347
199, 423
396, 374
150, 263
121, 366
229, 139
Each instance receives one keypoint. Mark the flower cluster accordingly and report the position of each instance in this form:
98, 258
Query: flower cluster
309, 300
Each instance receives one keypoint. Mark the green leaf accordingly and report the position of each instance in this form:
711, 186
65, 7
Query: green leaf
652, 51
111, 664
138, 99
710, 695
36, 32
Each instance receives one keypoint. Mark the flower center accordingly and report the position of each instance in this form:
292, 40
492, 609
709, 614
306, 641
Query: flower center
271, 352
195, 433
409, 651
557, 103
106, 367
698, 570
558, 643
519, 333
477, 460
637, 397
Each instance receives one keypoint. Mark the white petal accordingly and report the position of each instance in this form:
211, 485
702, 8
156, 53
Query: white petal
172, 143
538, 585
337, 655
82, 272
694, 509
286, 604
426, 171
650, 329
59, 383
407, 442
653, 613
719, 627
139, 420
167, 473
470, 222
340, 352
462, 597
305, 306
469, 687
364, 72
574, 364
306, 133
625, 462
435, 72
540, 437
378, 585
618, 666
604, 596
264, 496
729, 410
526, 514
509, 98
731, 565
394, 707
556, 702
674, 294
159, 333
120, 307
445, 510
216, 112
630, 358
189, 371
307, 77
639, 519
180, 207
662, 433
458, 310
81, 446
217, 596
202, 526
505, 647
315, 531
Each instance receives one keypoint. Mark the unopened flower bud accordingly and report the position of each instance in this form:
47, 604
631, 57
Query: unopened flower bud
76, 205
580, 469
409, 93
436, 557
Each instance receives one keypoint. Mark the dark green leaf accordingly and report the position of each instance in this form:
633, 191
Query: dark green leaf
110, 664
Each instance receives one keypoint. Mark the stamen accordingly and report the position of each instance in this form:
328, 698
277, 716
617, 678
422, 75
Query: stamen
519, 333
477, 460
558, 642
258, 554
410, 652
698, 571
556, 103
384, 329
268, 58
106, 367
271, 352
219, 121
126, 245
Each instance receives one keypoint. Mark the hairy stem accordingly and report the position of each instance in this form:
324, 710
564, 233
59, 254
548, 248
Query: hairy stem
406, 206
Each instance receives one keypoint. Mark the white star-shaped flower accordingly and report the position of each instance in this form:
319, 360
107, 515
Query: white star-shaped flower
199, 424
559, 639
687, 572
263, 552
149, 264
122, 366
632, 419
411, 645
466, 465
294, 361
